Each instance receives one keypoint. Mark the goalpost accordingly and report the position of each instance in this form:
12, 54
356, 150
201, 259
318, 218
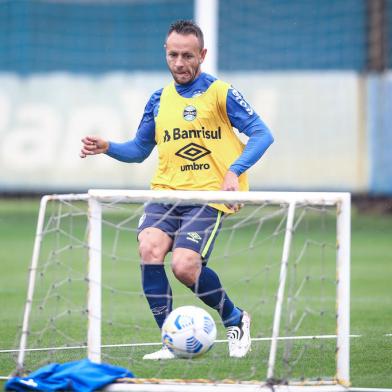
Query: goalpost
285, 256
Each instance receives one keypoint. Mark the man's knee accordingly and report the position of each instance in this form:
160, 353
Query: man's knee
186, 266
154, 244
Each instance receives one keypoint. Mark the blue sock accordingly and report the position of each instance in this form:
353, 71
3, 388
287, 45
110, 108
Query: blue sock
157, 290
210, 291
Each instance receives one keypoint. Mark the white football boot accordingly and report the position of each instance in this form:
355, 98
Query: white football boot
163, 353
239, 337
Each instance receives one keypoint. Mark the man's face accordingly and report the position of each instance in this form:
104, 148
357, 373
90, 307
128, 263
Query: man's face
184, 57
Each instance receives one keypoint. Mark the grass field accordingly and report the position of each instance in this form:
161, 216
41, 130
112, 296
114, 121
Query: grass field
371, 303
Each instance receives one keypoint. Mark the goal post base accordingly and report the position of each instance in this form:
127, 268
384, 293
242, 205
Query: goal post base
142, 385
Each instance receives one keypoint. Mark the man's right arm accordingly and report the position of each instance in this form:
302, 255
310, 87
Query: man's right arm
135, 150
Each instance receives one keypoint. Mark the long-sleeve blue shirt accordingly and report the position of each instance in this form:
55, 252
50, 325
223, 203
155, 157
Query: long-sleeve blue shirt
240, 114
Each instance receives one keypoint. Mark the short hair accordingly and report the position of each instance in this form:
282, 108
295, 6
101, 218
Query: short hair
186, 27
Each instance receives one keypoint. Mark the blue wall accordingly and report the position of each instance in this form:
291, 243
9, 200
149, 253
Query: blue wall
39, 36
287, 34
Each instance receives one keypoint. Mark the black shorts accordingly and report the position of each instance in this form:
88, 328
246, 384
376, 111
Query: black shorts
192, 227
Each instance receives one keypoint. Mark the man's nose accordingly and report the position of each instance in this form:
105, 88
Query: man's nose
179, 61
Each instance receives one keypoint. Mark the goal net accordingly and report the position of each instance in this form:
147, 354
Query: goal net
284, 258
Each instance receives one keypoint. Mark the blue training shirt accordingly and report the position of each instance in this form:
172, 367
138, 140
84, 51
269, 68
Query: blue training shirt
240, 114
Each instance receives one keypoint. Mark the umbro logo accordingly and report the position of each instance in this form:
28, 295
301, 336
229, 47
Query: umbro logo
193, 236
193, 152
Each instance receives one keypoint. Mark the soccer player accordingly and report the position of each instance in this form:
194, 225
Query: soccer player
191, 122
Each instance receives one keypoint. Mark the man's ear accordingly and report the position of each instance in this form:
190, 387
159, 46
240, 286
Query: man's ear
203, 53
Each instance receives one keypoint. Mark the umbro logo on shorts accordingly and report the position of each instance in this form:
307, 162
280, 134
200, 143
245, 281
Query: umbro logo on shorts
193, 236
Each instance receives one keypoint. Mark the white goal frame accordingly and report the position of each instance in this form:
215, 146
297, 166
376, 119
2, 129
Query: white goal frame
95, 197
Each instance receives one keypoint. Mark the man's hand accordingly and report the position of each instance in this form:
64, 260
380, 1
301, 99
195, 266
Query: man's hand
230, 183
93, 145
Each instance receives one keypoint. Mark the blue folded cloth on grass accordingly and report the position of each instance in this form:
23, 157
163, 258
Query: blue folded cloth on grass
80, 376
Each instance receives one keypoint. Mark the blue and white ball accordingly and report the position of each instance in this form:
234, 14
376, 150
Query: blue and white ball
189, 331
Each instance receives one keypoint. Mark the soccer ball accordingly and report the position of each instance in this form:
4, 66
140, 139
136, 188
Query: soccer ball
189, 332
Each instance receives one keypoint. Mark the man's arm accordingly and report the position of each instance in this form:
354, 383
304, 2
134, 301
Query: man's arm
135, 150
243, 117
260, 138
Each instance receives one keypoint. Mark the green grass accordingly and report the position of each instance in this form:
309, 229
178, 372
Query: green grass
246, 281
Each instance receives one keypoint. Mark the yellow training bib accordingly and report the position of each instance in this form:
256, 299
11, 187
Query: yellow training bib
196, 142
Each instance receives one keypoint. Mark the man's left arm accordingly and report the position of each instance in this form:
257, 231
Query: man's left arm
243, 117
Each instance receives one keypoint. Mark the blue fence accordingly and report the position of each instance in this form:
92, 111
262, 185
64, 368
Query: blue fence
96, 37
86, 37
286, 35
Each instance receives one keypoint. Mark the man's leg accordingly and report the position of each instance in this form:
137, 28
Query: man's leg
154, 244
209, 289
204, 282
237, 322
192, 247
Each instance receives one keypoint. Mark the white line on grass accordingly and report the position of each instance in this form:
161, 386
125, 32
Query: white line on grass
310, 337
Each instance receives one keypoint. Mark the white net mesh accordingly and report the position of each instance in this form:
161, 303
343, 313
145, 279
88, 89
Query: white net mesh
247, 257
